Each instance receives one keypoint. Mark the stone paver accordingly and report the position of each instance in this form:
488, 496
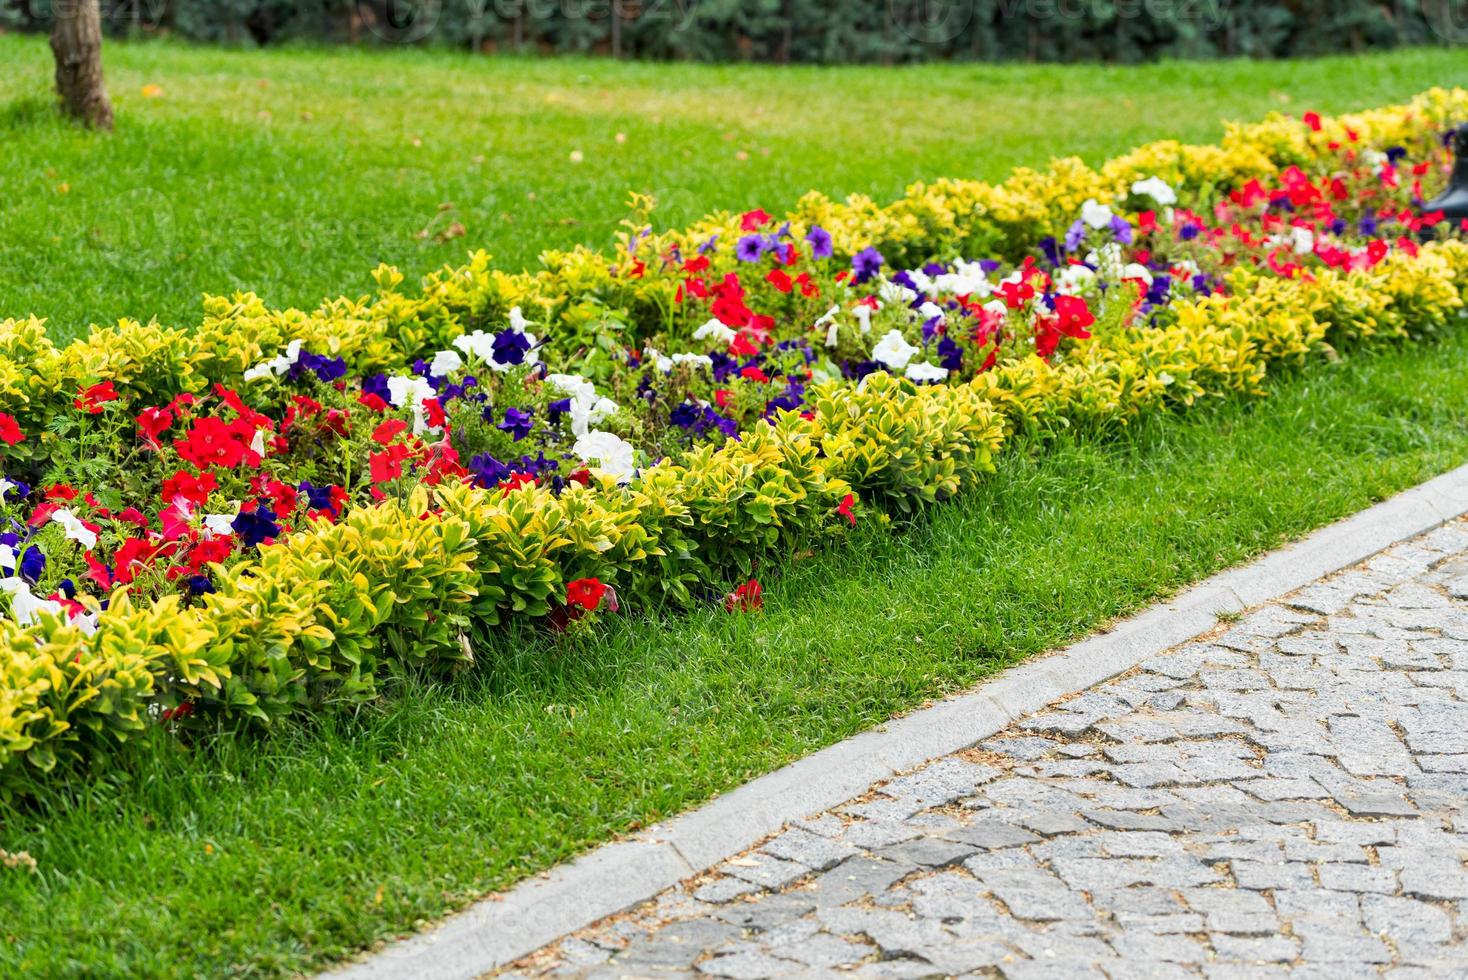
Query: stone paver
1286, 798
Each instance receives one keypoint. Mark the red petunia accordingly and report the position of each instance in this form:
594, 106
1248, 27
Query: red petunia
388, 464
91, 400
586, 593
742, 346
194, 489
10, 432
385, 433
153, 422
845, 509
754, 220
517, 480
212, 442
1073, 316
747, 598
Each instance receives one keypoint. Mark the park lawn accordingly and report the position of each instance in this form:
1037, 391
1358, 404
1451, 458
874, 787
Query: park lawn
280, 855
293, 172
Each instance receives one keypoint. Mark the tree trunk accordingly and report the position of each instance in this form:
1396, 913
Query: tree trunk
76, 41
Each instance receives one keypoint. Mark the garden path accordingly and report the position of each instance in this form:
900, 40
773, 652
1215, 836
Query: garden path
1287, 796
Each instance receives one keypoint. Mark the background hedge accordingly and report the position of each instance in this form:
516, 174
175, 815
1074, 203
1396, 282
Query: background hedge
806, 30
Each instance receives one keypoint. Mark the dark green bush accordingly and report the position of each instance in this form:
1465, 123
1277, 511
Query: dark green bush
879, 31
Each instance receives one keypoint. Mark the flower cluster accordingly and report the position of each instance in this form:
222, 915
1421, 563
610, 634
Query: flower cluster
795, 383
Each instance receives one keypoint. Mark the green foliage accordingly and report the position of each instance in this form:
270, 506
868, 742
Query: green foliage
822, 31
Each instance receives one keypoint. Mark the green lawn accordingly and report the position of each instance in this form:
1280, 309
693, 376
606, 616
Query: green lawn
293, 172
279, 856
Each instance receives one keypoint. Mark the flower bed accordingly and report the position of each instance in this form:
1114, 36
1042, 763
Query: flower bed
272, 512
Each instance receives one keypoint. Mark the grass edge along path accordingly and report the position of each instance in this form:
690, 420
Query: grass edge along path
281, 856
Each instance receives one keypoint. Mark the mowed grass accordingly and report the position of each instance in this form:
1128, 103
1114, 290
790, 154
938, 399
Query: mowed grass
294, 172
276, 856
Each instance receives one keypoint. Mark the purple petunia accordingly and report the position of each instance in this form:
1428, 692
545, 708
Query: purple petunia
819, 240
866, 264
326, 369
510, 346
488, 471
32, 565
255, 526
950, 355
686, 415
1074, 236
377, 385
517, 423
318, 498
1122, 229
751, 248
1051, 249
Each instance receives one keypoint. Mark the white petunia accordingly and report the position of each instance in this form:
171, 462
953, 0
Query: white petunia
895, 292
1095, 214
1074, 279
863, 314
607, 452
1107, 261
718, 332
966, 279
894, 351
571, 384
1303, 240
276, 366
24, 605
929, 310
700, 360
518, 321
75, 529
221, 525
445, 363
659, 360
1157, 189
586, 412
922, 371
1135, 270
586, 408
479, 345
404, 391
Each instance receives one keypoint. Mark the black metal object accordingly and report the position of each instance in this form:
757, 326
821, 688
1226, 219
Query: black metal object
1453, 202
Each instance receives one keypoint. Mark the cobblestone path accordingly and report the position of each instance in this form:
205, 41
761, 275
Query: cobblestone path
1286, 798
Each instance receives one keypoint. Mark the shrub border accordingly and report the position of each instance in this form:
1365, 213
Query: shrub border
503, 927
